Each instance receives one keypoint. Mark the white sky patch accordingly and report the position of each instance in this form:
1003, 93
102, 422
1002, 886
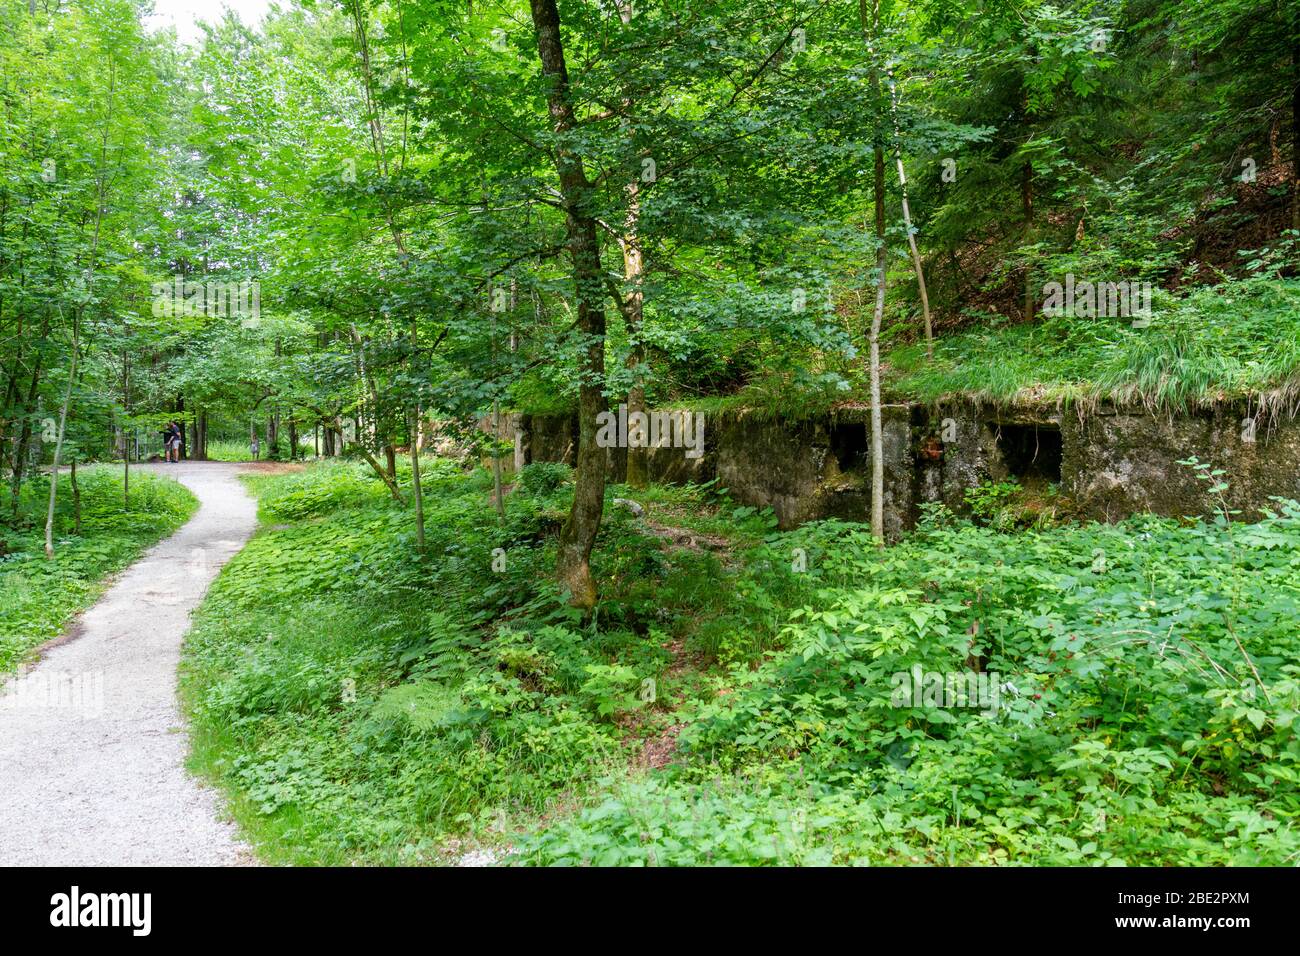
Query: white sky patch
185, 15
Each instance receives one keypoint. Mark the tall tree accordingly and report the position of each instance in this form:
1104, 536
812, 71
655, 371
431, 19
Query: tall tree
578, 536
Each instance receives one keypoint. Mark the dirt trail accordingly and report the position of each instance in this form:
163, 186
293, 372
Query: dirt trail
92, 745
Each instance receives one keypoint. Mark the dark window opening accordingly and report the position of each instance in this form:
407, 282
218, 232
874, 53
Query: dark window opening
849, 446
1030, 451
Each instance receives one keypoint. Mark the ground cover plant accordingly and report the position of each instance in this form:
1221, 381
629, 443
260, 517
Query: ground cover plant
362, 703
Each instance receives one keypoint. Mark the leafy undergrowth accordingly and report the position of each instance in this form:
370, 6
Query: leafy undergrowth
363, 704
240, 450
229, 451
734, 698
39, 597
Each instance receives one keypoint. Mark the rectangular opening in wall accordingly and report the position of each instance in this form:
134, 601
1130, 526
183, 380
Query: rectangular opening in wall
849, 446
1030, 451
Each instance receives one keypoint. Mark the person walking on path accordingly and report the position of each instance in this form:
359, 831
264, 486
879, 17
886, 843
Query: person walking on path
172, 440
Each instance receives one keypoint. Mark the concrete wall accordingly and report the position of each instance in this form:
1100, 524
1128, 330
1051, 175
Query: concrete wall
1114, 462
819, 467
1121, 461
1108, 462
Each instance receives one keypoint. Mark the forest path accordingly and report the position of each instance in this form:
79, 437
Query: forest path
93, 773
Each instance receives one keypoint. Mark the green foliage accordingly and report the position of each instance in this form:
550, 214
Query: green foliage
1145, 711
988, 501
648, 823
386, 172
1124, 680
544, 477
329, 486
348, 733
611, 689
1236, 340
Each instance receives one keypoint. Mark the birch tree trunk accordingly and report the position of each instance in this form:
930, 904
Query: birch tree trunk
498, 501
76, 500
907, 223
416, 491
638, 458
58, 446
878, 314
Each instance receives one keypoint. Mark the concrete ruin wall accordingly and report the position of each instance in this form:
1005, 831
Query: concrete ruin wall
1119, 462
1112, 462
819, 467
1109, 462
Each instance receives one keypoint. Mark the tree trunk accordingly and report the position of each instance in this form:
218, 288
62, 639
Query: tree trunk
367, 377
1295, 137
387, 479
11, 390
180, 420
416, 491
58, 447
907, 223
1027, 207
877, 426
638, 458
21, 444
76, 500
498, 499
877, 317
413, 437
578, 536
25, 431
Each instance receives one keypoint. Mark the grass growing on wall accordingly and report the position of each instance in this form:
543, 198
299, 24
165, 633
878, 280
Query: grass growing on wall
1226, 342
1236, 340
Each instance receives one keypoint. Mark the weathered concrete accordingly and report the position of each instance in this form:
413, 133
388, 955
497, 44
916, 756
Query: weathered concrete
819, 467
1118, 462
1108, 462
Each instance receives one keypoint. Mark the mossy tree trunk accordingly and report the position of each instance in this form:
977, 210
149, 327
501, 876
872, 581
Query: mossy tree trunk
578, 536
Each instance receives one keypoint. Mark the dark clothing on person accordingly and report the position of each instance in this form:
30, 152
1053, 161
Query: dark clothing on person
172, 442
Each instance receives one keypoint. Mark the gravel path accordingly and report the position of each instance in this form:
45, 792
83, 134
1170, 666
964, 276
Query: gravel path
92, 743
